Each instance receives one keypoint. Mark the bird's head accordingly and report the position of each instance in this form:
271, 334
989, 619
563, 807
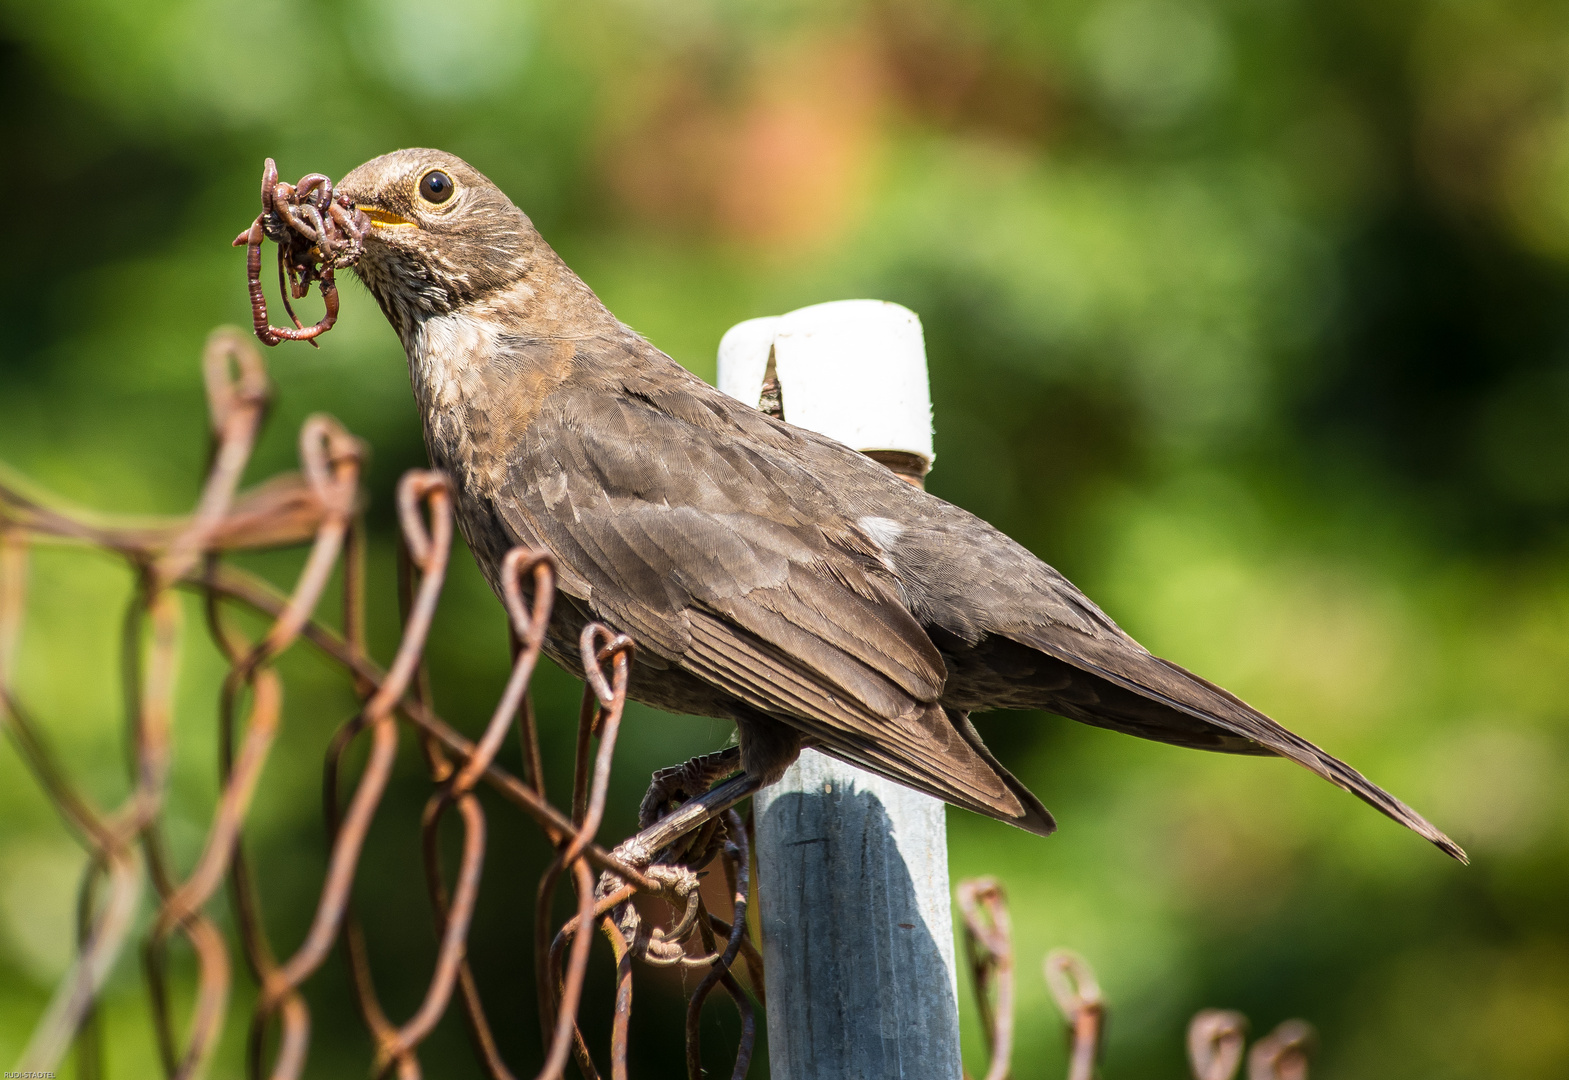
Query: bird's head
442, 235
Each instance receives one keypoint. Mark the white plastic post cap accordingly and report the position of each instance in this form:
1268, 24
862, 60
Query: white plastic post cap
854, 370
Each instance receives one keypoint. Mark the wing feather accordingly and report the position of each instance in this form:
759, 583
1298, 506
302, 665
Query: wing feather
734, 565
922, 747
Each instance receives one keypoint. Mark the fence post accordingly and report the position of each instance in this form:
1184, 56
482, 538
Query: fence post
852, 869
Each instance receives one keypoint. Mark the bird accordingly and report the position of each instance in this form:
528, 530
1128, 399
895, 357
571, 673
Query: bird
767, 574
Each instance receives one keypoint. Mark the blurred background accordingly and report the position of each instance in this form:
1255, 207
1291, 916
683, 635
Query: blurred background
1253, 319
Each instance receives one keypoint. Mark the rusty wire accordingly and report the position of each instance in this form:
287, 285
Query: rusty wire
1215, 1040
1216, 1037
1283, 1053
988, 946
1073, 986
319, 508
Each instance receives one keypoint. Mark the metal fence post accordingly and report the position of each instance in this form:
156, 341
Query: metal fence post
852, 868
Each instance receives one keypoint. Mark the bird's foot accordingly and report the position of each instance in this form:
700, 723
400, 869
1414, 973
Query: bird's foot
676, 785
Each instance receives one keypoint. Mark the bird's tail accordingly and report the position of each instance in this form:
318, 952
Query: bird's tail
1289, 744
1228, 717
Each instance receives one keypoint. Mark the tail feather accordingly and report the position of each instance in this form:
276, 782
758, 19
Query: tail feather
1125, 664
1289, 744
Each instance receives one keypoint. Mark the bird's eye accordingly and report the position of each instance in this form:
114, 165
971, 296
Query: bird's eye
436, 186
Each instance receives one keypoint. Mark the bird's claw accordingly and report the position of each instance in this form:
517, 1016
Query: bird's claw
677, 784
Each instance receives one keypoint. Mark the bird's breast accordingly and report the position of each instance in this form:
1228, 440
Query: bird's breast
480, 386
447, 357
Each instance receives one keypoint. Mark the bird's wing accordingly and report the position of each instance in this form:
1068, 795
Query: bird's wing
721, 554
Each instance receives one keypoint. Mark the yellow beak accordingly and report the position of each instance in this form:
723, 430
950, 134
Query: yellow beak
384, 219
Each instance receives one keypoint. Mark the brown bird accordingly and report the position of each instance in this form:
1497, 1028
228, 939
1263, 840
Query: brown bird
769, 575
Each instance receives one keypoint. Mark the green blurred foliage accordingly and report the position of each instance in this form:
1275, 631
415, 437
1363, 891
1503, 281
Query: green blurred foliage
1252, 318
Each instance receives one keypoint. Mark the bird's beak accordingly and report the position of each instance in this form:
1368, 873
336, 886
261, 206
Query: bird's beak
384, 219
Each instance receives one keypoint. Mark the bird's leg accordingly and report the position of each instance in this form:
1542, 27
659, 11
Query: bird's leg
768, 746
683, 782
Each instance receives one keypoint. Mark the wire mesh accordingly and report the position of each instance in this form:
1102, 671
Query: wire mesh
320, 508
687, 821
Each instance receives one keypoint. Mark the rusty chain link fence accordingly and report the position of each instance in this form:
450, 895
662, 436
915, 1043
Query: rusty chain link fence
685, 827
320, 508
